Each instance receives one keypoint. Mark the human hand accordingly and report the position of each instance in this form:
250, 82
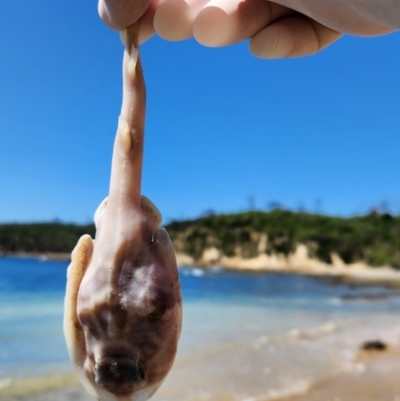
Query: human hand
276, 31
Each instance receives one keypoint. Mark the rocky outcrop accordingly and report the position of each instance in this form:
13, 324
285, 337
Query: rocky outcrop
298, 262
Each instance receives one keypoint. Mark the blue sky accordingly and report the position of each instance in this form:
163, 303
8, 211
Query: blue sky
224, 131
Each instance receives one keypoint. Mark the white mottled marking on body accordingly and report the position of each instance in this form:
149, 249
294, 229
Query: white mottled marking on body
124, 134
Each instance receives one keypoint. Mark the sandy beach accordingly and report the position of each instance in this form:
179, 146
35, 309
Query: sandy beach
376, 379
246, 337
323, 364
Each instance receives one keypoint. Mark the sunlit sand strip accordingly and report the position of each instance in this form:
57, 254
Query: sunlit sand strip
323, 330
279, 394
29, 386
377, 383
281, 382
296, 389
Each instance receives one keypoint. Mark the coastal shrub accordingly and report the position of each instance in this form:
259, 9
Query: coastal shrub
372, 238
41, 237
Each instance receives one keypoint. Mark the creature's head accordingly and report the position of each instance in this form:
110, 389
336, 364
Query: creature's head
128, 319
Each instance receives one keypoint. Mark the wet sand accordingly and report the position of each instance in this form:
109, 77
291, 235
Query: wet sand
379, 381
322, 364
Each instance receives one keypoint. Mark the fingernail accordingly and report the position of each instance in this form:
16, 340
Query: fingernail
123, 36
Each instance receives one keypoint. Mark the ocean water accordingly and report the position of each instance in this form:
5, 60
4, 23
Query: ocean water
251, 335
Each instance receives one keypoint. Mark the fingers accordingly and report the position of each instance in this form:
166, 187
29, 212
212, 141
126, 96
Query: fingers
174, 19
224, 22
216, 22
293, 36
276, 31
119, 14
146, 28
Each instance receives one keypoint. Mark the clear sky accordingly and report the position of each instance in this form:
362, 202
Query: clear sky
224, 131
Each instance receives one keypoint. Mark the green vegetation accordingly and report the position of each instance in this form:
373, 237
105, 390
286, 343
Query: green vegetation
374, 238
41, 237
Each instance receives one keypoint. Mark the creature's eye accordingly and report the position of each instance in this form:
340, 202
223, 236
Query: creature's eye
89, 326
92, 331
157, 313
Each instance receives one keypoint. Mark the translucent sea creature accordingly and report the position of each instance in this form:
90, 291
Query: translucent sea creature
123, 307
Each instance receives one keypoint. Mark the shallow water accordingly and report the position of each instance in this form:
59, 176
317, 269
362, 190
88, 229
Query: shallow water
244, 335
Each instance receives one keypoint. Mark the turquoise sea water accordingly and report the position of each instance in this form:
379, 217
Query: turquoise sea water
220, 309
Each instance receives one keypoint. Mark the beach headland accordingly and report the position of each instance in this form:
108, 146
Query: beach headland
298, 262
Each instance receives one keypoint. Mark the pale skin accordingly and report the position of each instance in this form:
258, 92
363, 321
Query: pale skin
279, 29
123, 307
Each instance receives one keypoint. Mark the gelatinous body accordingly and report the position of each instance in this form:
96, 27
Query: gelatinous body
123, 304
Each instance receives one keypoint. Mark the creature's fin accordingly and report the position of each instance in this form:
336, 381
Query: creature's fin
99, 212
153, 215
73, 332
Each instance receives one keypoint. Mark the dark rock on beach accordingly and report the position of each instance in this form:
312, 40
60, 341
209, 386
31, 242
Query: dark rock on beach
374, 345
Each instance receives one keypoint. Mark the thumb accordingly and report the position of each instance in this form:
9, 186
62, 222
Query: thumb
119, 14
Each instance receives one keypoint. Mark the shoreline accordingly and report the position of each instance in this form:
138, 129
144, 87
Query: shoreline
383, 276
298, 263
38, 255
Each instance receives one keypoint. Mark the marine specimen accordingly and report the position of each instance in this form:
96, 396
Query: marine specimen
123, 307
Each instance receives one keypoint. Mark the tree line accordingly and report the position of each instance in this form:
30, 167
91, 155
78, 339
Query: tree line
373, 238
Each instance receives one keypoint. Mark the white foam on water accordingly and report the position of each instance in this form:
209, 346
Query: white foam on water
336, 301
14, 312
197, 272
275, 394
323, 330
4, 383
192, 271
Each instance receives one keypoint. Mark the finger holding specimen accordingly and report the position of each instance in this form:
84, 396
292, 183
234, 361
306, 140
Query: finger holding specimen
224, 22
293, 36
